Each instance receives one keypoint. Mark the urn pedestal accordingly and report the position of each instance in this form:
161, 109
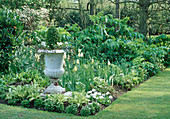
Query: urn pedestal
53, 69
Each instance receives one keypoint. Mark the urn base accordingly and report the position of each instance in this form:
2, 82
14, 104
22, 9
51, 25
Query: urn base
54, 89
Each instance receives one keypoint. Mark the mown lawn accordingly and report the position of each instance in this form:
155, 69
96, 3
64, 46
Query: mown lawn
150, 100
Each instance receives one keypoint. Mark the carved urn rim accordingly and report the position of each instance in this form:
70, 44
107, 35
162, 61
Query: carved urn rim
51, 51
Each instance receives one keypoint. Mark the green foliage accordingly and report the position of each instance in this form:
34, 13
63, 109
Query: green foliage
30, 92
92, 108
85, 111
55, 102
3, 96
60, 107
50, 105
73, 109
87, 70
79, 99
101, 85
57, 98
18, 4
52, 37
10, 29
3, 86
13, 101
25, 78
100, 41
96, 106
39, 103
25, 103
161, 40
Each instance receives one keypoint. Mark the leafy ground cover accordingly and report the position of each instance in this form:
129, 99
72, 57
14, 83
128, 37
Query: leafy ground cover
149, 100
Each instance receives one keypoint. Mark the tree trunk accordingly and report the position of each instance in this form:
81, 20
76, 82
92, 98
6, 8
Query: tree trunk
144, 6
81, 13
117, 9
92, 7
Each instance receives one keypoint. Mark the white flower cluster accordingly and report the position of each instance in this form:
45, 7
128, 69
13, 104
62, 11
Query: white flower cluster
98, 95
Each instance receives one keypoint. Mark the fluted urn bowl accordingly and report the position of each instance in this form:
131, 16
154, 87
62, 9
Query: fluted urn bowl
53, 69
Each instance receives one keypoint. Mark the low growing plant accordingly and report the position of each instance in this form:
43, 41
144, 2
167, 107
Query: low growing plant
73, 109
92, 108
59, 107
96, 106
25, 103
50, 105
13, 101
39, 104
85, 111
79, 99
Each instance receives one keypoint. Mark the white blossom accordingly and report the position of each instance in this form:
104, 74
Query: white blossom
110, 97
77, 61
88, 96
79, 50
93, 95
107, 93
108, 62
101, 97
93, 90
92, 60
99, 93
89, 92
81, 54
59, 43
43, 43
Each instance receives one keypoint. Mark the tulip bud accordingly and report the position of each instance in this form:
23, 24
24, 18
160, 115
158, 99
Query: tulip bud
92, 60
81, 54
68, 57
65, 56
108, 63
75, 69
79, 50
77, 61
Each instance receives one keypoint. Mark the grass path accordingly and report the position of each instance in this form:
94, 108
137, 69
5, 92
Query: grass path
150, 100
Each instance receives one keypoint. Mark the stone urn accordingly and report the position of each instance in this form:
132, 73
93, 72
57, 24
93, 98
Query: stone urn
53, 69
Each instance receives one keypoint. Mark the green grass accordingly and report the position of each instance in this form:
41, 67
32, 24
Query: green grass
150, 100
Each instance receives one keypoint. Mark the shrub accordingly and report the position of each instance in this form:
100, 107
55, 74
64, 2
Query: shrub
13, 101
3, 96
92, 109
50, 105
60, 107
73, 109
39, 103
96, 106
10, 29
25, 103
85, 111
53, 37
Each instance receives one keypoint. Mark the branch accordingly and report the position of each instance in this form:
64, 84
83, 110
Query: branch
70, 8
159, 2
129, 1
